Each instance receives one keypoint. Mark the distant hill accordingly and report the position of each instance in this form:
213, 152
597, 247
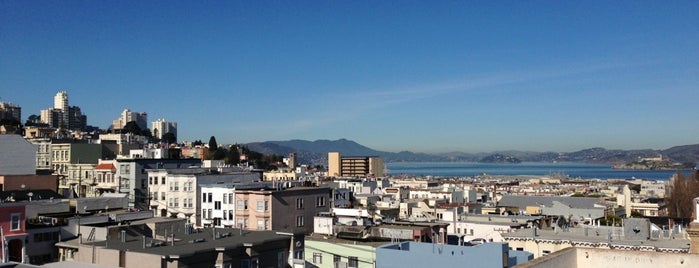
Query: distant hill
683, 154
316, 153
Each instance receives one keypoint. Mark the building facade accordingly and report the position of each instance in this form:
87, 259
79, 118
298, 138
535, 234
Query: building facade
161, 127
9, 111
127, 115
354, 166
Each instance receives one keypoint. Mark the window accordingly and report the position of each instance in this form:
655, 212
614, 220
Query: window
177, 186
267, 225
150, 179
230, 198
162, 180
352, 262
171, 186
320, 201
546, 252
260, 224
189, 203
211, 214
260, 206
169, 202
211, 197
280, 259
336, 258
155, 196
162, 196
203, 197
217, 205
15, 221
299, 221
240, 204
225, 214
317, 258
458, 230
203, 213
230, 214
225, 198
155, 180
177, 202
299, 203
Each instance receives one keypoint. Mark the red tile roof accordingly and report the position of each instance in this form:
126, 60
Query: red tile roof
108, 166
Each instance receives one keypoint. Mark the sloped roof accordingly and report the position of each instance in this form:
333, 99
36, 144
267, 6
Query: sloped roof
105, 166
524, 201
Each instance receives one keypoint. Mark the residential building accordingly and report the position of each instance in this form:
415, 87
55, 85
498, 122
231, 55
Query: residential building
140, 118
330, 252
209, 247
74, 163
635, 235
285, 209
161, 127
133, 177
354, 166
43, 154
278, 175
415, 254
177, 192
586, 257
62, 115
10, 111
106, 180
218, 205
12, 222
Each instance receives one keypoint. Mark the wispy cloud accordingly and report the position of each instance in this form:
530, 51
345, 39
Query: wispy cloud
350, 105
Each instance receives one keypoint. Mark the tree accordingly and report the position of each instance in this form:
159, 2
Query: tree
132, 127
681, 193
212, 144
169, 138
233, 156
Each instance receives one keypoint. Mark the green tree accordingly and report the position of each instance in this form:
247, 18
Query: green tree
212, 144
132, 127
233, 156
169, 138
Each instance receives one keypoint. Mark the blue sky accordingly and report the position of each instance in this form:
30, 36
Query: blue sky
392, 75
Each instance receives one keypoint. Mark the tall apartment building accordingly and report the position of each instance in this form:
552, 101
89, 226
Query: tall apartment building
9, 111
354, 166
161, 127
127, 115
62, 115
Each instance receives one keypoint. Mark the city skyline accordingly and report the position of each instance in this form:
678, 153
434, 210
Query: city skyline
393, 76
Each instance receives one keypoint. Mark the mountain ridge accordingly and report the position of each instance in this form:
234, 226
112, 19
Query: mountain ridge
315, 153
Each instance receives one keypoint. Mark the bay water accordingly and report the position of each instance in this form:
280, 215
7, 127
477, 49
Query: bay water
569, 169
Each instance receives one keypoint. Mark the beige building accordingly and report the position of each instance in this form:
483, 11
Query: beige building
280, 176
354, 166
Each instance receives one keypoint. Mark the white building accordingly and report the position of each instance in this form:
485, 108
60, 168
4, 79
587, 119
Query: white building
161, 127
177, 192
217, 205
127, 115
173, 194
